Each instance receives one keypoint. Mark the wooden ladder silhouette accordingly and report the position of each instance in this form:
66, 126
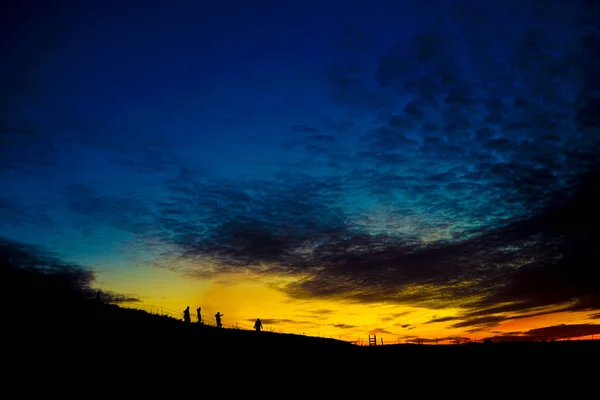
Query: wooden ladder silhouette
372, 340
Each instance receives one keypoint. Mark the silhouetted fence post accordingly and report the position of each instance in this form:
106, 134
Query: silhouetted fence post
372, 340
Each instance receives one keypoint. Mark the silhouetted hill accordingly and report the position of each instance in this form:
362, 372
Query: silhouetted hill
51, 319
53, 328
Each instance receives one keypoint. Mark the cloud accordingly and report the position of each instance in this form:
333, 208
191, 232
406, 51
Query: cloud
564, 331
395, 316
28, 268
380, 331
554, 332
344, 326
321, 311
419, 340
293, 228
490, 320
443, 319
479, 323
276, 321
400, 314
108, 296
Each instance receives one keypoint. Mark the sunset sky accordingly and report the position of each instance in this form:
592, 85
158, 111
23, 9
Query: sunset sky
414, 169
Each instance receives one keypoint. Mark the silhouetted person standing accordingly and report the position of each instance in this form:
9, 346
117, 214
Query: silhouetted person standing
258, 325
218, 316
186, 315
199, 316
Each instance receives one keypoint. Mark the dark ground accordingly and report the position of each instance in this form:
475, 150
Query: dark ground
59, 340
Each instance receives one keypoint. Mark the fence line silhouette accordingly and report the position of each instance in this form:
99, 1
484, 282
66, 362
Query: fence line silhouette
359, 341
206, 319
210, 321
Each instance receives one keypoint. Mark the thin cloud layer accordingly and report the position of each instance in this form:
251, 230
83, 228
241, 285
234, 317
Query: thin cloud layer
550, 333
276, 321
64, 277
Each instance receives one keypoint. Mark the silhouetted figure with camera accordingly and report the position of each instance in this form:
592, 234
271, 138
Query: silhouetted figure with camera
258, 325
218, 316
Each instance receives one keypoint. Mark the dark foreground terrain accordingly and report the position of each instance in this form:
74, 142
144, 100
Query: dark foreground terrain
58, 337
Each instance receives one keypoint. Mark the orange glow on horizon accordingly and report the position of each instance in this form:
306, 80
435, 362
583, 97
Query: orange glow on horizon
242, 299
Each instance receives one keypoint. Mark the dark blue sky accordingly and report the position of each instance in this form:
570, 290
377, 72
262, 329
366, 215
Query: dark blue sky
376, 146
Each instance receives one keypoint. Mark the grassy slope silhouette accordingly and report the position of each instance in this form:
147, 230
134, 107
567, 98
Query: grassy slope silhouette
49, 319
49, 316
